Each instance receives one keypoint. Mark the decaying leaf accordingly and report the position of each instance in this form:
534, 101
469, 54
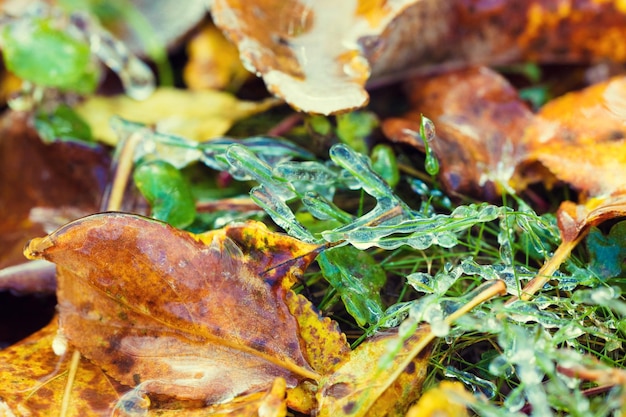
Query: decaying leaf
365, 386
479, 121
33, 380
486, 134
318, 55
325, 346
197, 115
307, 52
42, 187
581, 139
195, 317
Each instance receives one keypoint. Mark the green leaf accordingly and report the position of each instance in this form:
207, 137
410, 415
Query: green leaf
353, 128
385, 164
63, 124
607, 252
357, 278
37, 51
167, 191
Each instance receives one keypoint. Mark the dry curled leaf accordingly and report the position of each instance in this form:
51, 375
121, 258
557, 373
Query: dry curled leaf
189, 316
319, 55
307, 52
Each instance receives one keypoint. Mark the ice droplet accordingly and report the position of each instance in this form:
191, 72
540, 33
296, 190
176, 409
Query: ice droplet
310, 171
136, 76
478, 385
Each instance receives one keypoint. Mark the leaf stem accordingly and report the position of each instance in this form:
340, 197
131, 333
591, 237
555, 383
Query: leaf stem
71, 376
549, 268
123, 167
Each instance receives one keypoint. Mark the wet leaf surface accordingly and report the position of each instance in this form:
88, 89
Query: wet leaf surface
184, 316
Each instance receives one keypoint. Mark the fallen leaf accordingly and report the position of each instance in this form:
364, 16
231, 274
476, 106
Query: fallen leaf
213, 62
479, 123
197, 115
43, 186
325, 347
33, 382
33, 379
364, 386
439, 401
197, 317
318, 56
307, 53
487, 139
581, 139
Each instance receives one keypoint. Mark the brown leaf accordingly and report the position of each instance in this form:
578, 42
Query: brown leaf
197, 317
581, 140
479, 121
43, 186
33, 382
318, 55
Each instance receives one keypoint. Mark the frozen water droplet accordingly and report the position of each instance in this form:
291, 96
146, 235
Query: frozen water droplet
446, 240
59, 344
280, 212
500, 366
477, 385
305, 171
420, 281
420, 241
427, 129
136, 76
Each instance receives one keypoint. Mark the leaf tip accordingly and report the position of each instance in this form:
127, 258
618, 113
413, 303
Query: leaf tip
36, 247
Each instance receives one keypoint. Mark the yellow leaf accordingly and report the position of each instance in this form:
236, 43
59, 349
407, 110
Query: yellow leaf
196, 115
439, 401
213, 62
325, 347
363, 386
33, 380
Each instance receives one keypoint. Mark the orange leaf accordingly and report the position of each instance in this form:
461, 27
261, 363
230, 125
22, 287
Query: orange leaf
479, 121
195, 317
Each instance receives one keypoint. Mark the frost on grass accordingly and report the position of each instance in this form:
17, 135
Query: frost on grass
443, 255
